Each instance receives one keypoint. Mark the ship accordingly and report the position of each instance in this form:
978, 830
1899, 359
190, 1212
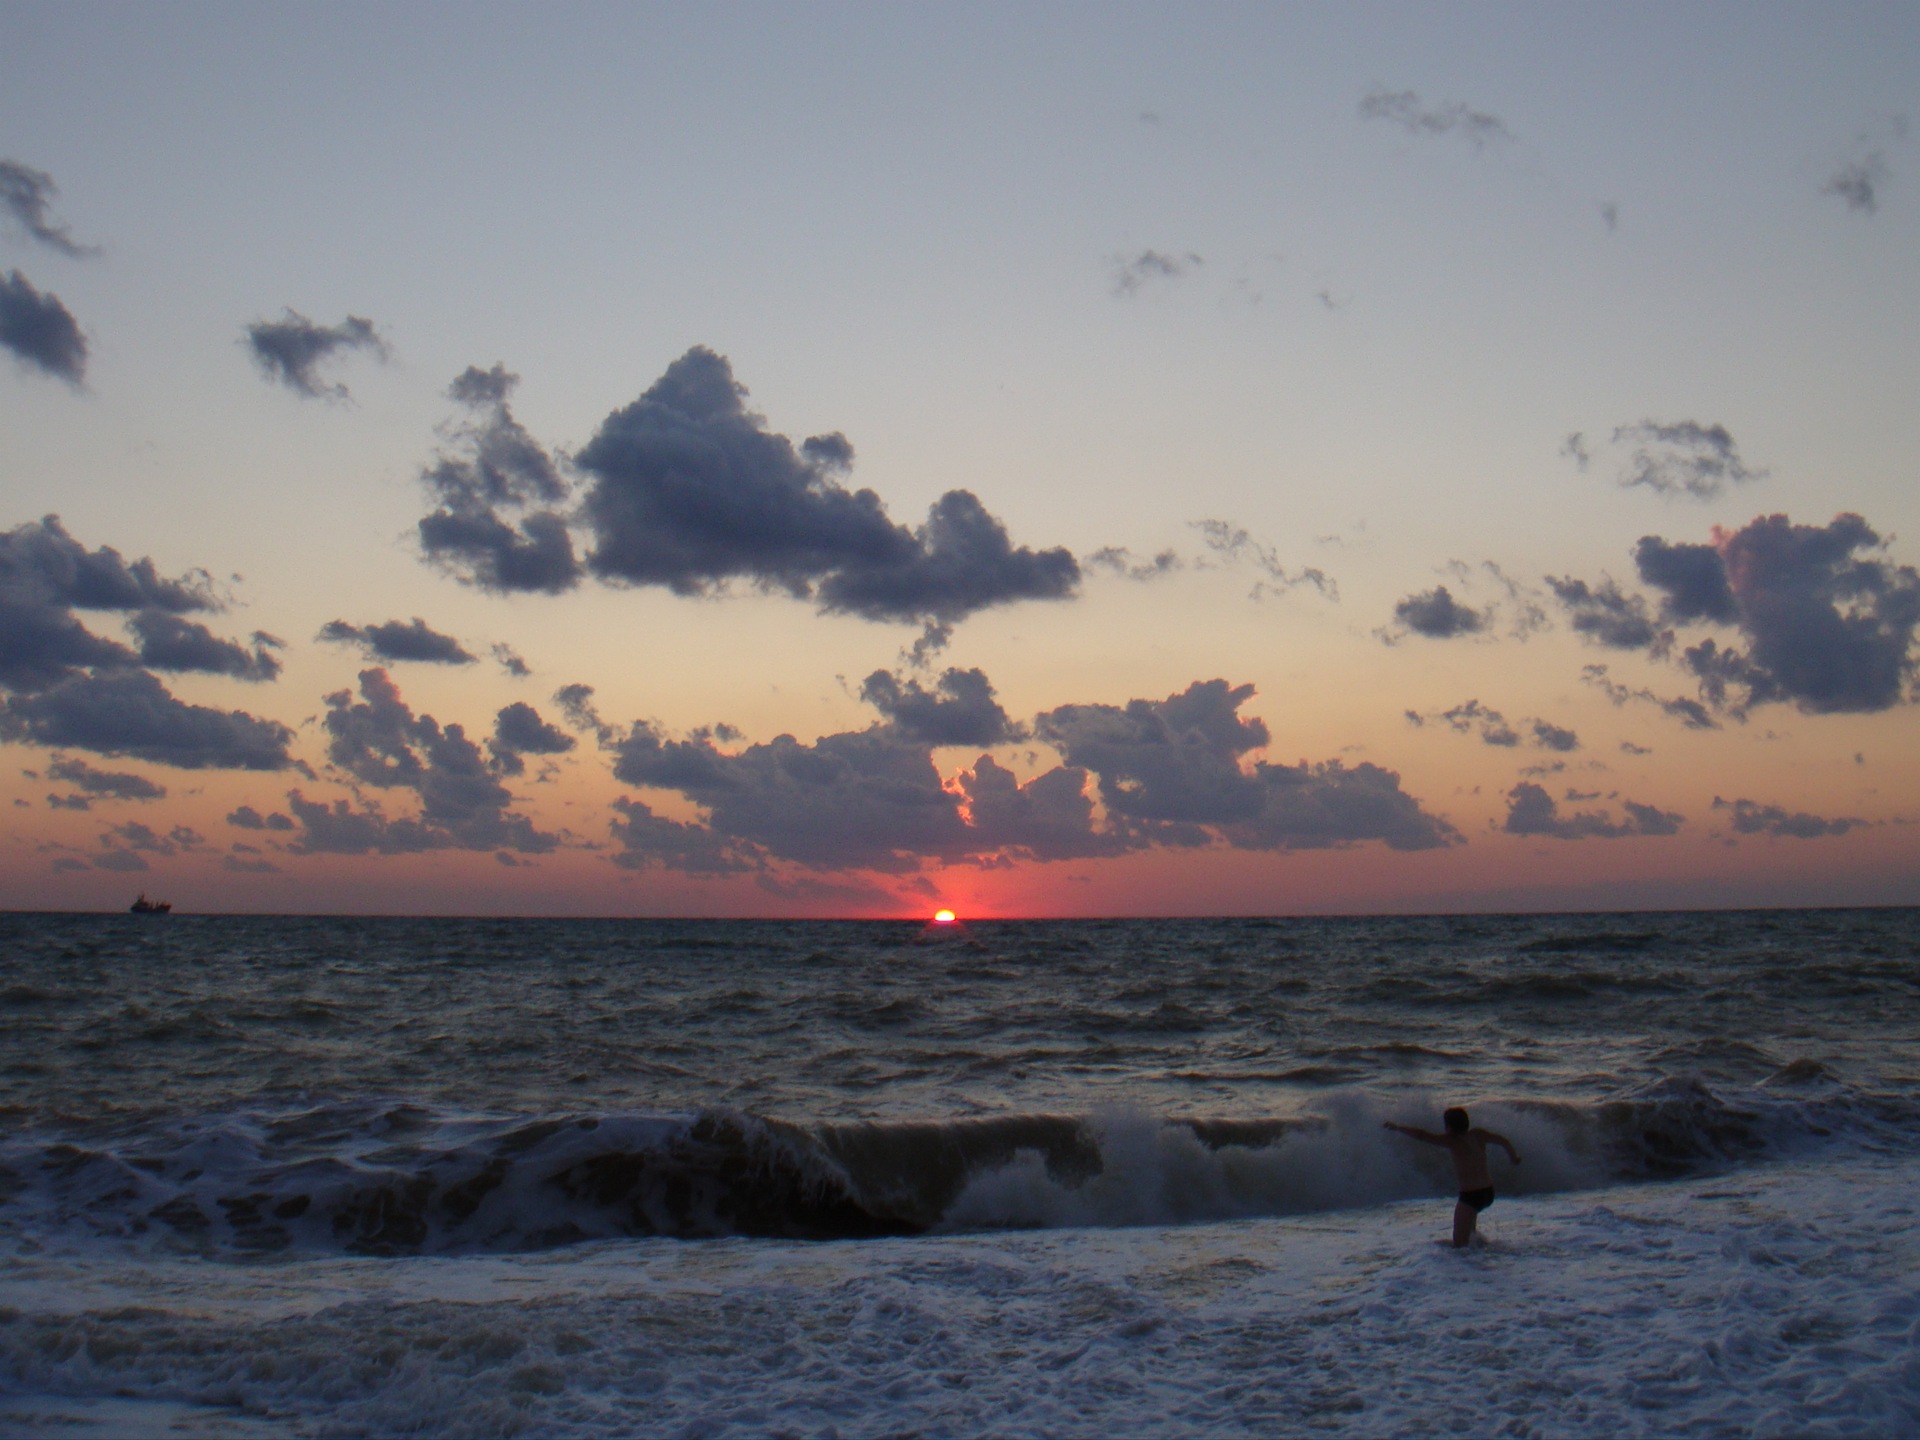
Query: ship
144, 906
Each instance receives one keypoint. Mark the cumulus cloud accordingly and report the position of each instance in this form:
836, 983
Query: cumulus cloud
1549, 736
1691, 579
1171, 772
518, 730
688, 489
1682, 457
960, 709
292, 349
130, 713
502, 521
415, 640
1451, 117
1130, 272
576, 704
100, 784
1437, 615
381, 743
66, 686
248, 818
509, 661
1532, 811
40, 331
1749, 817
26, 196
1606, 615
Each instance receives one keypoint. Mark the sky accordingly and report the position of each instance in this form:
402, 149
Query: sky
1072, 459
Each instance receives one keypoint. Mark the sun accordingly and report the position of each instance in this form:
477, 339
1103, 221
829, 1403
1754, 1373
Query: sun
943, 917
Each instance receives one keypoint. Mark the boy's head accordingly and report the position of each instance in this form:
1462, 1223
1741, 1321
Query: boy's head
1455, 1120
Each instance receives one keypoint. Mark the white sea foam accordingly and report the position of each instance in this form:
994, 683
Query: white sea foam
1778, 1298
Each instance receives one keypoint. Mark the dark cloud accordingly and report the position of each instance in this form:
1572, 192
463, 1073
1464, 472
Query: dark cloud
959, 710
125, 861
1130, 272
1234, 544
1406, 109
40, 331
1437, 615
1167, 772
291, 350
502, 523
1828, 627
576, 705
130, 713
510, 662
1749, 817
1177, 762
1683, 457
415, 640
27, 195
168, 642
248, 818
1606, 615
518, 730
105, 784
1691, 578
1858, 182
1549, 736
689, 490
1532, 811
380, 742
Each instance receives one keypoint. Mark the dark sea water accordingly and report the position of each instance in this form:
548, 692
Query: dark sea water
225, 1120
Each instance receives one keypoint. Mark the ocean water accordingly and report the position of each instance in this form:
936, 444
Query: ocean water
450, 1177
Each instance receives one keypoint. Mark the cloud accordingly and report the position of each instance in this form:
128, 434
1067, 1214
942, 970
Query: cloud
1405, 109
576, 704
415, 640
689, 490
510, 662
292, 349
1691, 713
1691, 578
1168, 765
1752, 818
1130, 272
1437, 615
130, 713
168, 642
1119, 560
1574, 447
1235, 545
518, 730
27, 195
502, 523
40, 331
1549, 736
381, 743
1683, 457
1532, 811
1605, 615
1858, 182
248, 818
959, 710
105, 784
1168, 773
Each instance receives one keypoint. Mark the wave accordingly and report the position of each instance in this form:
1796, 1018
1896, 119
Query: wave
394, 1180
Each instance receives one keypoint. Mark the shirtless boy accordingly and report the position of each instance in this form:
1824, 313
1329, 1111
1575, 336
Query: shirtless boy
1467, 1144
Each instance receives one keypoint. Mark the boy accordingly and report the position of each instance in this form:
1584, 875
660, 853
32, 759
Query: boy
1468, 1146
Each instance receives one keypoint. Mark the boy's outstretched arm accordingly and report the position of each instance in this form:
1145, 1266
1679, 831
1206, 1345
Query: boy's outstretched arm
1416, 1134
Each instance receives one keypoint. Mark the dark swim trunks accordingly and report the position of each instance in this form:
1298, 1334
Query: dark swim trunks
1478, 1199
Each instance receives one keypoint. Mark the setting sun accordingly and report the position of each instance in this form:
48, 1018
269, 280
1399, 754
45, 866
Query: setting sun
943, 917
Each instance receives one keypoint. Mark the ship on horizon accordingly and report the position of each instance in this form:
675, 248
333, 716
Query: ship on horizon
144, 906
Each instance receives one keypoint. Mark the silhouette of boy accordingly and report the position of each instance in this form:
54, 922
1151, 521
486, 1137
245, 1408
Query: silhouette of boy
1467, 1144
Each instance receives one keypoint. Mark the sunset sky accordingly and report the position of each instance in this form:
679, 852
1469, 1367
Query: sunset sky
1038, 460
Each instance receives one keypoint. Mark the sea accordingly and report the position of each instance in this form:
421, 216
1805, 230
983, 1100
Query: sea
457, 1177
